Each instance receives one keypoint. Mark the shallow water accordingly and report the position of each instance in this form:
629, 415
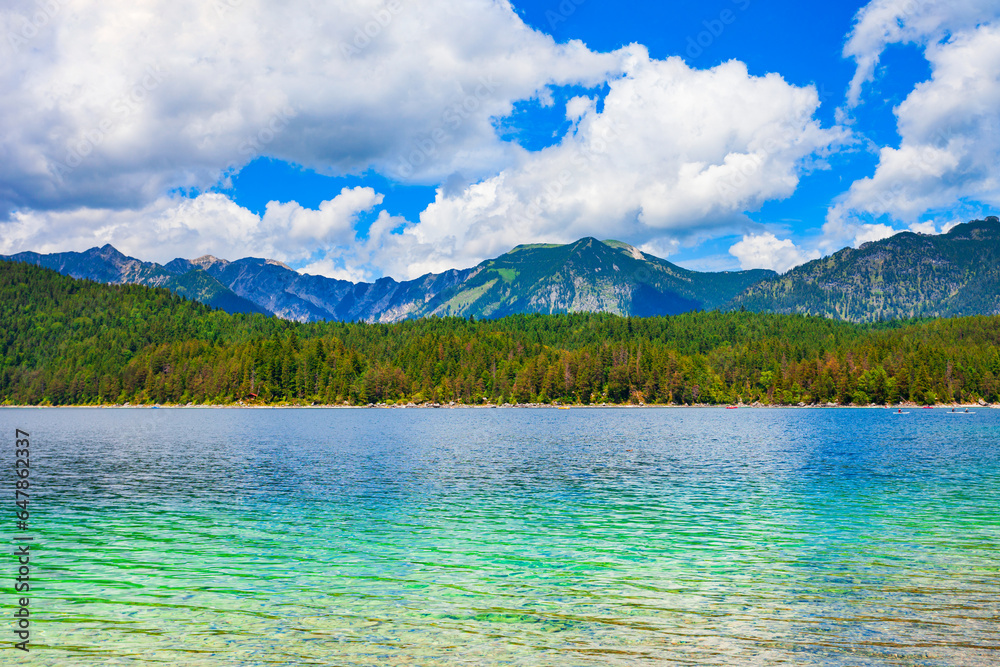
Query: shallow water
511, 537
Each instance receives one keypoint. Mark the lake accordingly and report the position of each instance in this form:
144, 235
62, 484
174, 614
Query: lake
510, 537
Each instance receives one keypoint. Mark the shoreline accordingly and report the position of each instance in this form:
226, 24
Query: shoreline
506, 406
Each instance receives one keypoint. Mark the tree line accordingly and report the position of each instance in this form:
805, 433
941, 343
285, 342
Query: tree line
73, 342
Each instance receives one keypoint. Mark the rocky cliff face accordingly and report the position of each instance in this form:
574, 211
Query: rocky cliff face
307, 298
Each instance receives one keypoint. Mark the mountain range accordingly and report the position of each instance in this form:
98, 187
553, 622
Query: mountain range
907, 275
588, 275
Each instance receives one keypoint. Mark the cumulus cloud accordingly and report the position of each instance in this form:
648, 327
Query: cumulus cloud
333, 222
949, 125
950, 130
883, 22
211, 223
109, 106
766, 251
844, 226
675, 153
113, 103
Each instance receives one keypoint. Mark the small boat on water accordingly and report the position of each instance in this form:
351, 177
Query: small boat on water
732, 407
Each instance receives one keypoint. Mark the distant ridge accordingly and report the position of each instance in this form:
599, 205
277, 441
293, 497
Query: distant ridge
906, 275
585, 276
903, 276
107, 265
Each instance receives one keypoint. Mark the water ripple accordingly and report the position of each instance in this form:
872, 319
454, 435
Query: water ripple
492, 537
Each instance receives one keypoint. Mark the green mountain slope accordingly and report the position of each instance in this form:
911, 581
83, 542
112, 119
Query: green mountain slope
107, 265
587, 276
907, 275
71, 342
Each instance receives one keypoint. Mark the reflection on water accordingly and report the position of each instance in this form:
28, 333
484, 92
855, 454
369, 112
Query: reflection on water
514, 537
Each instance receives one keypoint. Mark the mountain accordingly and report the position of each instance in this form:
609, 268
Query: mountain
588, 275
107, 265
906, 275
306, 298
70, 342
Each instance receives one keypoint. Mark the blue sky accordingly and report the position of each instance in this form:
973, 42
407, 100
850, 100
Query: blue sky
395, 138
801, 41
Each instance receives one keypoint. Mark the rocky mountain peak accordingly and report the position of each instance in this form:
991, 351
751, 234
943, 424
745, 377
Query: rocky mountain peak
206, 261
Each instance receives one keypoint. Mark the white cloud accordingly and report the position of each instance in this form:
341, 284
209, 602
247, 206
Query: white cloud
949, 125
208, 224
935, 226
884, 22
331, 268
844, 226
676, 154
333, 222
111, 103
927, 227
766, 251
576, 107
869, 233
109, 106
950, 129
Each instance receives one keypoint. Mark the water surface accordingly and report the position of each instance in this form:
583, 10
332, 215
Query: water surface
512, 537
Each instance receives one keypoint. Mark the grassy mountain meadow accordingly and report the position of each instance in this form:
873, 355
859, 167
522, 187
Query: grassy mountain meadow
65, 341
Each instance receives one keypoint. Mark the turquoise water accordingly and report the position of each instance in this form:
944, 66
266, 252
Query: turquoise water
511, 537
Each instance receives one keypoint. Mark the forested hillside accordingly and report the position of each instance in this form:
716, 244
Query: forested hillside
65, 341
906, 275
107, 265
